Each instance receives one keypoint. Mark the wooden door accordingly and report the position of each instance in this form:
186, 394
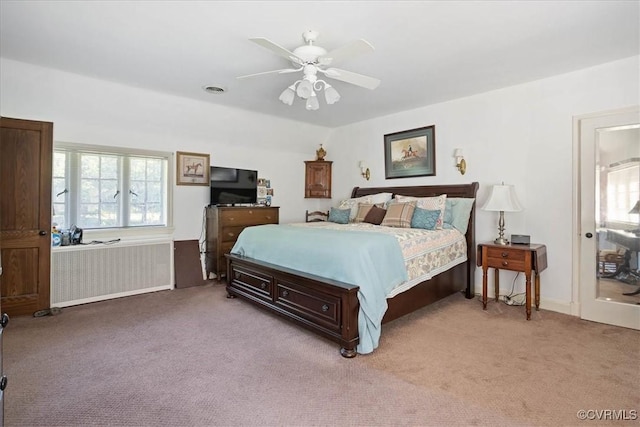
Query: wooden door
26, 150
597, 301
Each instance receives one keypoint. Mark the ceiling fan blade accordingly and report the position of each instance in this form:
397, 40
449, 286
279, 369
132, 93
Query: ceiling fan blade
283, 71
348, 51
277, 49
351, 77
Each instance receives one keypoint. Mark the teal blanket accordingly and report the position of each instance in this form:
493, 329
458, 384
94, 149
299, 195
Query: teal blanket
372, 261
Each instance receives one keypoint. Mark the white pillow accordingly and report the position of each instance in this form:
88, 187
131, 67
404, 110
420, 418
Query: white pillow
353, 205
429, 203
380, 198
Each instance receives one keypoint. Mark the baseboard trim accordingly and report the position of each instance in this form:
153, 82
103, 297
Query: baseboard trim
572, 309
112, 296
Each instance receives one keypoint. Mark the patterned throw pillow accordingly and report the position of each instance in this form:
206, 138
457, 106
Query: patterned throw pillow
339, 216
399, 215
363, 209
424, 218
375, 215
430, 203
353, 205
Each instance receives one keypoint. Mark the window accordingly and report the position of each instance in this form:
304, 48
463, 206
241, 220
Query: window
623, 192
108, 187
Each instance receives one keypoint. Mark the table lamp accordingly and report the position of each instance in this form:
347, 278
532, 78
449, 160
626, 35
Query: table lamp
502, 199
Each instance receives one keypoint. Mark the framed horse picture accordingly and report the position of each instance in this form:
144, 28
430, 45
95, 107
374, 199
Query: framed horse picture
410, 153
192, 168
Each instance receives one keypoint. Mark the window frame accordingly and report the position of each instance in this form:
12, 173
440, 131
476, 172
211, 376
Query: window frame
136, 231
624, 166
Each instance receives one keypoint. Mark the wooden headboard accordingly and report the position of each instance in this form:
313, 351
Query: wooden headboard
457, 190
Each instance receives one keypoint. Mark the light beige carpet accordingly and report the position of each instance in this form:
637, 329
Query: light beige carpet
542, 371
193, 357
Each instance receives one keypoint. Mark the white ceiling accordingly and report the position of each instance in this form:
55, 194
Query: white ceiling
425, 52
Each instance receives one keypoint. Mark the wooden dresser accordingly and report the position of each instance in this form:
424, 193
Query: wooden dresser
224, 225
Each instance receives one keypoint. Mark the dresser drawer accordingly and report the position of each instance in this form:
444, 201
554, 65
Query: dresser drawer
249, 216
323, 309
230, 234
505, 259
226, 247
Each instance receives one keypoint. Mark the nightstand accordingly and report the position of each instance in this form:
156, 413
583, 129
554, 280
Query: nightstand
528, 259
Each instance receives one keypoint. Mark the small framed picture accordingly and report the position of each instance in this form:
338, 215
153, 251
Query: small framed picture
269, 191
192, 168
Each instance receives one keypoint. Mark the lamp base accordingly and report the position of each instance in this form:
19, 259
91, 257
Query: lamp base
501, 241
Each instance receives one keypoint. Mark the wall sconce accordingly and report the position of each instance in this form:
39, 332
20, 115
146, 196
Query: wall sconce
364, 170
460, 163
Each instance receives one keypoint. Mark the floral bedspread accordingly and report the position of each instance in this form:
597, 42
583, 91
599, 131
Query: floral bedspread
426, 253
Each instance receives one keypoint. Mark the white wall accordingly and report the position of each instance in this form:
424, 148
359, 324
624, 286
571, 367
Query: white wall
91, 111
521, 135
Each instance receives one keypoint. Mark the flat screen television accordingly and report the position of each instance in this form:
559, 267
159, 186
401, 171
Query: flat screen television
232, 186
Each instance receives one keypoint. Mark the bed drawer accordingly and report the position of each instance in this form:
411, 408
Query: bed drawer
505, 259
252, 283
249, 216
312, 304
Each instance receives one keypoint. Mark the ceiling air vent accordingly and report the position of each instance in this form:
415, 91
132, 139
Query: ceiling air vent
214, 89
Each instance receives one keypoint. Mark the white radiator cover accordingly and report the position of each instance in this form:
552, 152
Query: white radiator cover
88, 273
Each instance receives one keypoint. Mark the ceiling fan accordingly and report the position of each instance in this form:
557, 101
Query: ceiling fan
311, 60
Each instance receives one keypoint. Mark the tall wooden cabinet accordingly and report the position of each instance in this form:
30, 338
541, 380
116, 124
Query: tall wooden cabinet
224, 225
317, 183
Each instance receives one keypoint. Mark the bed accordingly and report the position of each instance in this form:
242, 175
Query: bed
331, 307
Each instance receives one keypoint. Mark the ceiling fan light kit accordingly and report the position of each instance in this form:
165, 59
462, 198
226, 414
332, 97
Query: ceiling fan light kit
330, 94
311, 59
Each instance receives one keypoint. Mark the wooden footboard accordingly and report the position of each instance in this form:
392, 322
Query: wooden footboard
330, 308
327, 307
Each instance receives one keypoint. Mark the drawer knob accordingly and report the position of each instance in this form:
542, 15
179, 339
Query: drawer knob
263, 285
236, 274
505, 263
505, 254
285, 293
325, 307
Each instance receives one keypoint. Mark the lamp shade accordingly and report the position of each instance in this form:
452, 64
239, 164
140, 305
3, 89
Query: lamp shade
312, 102
305, 89
288, 94
636, 208
330, 94
502, 198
